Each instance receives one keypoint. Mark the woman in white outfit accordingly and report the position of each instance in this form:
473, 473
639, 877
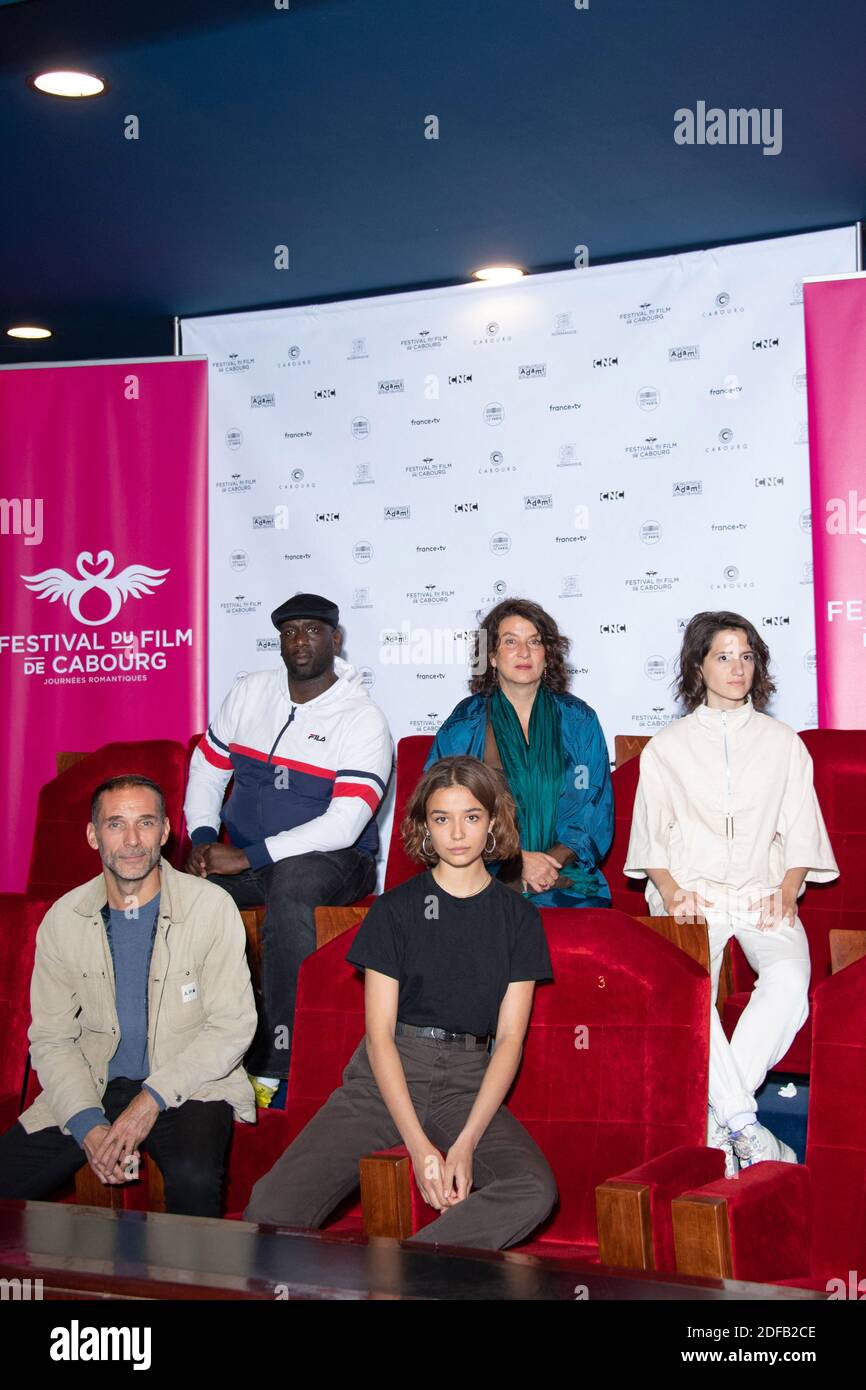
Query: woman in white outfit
727, 827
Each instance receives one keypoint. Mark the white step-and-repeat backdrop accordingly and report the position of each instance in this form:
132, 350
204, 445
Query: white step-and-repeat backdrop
626, 445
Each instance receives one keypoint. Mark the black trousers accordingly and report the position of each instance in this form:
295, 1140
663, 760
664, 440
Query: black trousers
188, 1145
290, 890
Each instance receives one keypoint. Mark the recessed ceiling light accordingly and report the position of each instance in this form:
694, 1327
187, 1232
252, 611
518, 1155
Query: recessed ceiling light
67, 84
499, 274
26, 330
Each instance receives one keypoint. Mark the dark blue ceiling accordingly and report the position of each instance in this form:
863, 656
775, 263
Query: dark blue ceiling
305, 126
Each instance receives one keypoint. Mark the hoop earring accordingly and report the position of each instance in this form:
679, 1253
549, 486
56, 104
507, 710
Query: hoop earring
424, 850
488, 849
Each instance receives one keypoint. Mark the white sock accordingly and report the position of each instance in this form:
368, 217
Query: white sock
738, 1122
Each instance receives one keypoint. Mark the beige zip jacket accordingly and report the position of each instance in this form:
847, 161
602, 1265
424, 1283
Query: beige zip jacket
201, 1011
726, 797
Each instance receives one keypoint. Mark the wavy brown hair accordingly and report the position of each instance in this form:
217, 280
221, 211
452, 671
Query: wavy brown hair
486, 784
556, 646
689, 687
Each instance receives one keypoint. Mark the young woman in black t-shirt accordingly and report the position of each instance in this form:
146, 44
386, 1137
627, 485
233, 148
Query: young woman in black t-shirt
451, 958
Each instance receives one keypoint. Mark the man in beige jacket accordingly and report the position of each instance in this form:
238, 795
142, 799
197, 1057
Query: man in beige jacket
142, 1010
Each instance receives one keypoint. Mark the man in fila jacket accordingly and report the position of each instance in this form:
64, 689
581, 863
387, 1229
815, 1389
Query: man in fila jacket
311, 757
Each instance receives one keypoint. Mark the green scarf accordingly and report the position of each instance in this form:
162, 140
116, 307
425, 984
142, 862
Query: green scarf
534, 772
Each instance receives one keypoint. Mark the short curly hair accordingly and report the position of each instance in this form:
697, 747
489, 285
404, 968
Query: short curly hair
487, 784
689, 687
556, 647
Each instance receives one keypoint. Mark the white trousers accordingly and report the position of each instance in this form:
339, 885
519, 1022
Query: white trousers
776, 1011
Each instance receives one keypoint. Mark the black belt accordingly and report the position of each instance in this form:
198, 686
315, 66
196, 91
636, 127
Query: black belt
466, 1040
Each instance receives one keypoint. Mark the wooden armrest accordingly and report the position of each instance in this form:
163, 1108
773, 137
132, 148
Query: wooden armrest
702, 1237
624, 1224
67, 760
846, 947
692, 938
628, 746
333, 921
386, 1195
90, 1192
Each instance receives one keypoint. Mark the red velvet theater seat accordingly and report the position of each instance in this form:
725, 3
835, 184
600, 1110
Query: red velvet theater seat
839, 757
411, 756
630, 1106
20, 916
626, 893
798, 1225
61, 858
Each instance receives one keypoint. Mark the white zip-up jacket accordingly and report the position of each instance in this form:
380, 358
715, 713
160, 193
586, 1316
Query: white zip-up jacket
307, 777
726, 797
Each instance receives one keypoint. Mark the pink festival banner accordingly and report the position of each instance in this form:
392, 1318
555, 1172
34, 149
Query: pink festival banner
103, 562
835, 313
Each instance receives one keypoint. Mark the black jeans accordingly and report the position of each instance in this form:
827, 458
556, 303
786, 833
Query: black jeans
188, 1145
290, 890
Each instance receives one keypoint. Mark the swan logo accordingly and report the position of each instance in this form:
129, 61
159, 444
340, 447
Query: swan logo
135, 581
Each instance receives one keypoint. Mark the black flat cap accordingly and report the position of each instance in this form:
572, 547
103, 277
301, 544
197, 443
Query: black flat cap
306, 606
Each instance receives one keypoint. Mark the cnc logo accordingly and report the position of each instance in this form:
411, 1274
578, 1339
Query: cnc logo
465, 507
762, 344
324, 393
777, 620
612, 629
327, 516
605, 362
615, 494
460, 379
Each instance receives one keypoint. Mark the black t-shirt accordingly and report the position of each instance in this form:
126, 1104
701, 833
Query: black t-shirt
454, 957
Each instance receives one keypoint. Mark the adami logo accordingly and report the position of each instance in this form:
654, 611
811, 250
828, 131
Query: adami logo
135, 581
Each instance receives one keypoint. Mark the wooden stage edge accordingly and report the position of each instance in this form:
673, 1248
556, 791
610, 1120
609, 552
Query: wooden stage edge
95, 1253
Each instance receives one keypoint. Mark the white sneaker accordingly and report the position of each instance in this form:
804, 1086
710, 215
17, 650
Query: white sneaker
757, 1144
719, 1137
